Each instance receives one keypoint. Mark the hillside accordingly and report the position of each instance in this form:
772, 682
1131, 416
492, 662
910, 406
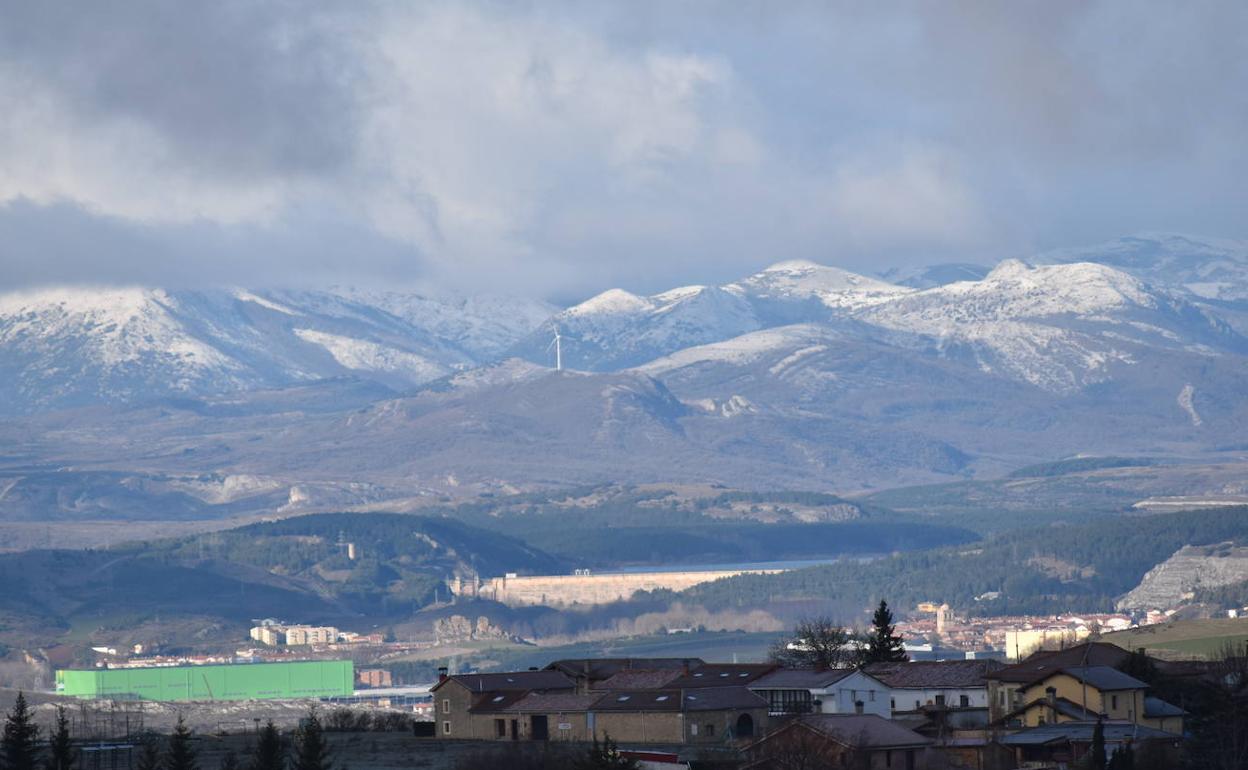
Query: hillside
296, 568
1069, 567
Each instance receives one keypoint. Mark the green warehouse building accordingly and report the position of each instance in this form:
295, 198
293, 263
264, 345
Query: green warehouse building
238, 681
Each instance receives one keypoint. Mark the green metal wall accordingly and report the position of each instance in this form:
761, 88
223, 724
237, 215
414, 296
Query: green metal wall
244, 681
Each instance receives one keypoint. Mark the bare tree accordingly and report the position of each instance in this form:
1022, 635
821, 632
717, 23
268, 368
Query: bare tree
817, 643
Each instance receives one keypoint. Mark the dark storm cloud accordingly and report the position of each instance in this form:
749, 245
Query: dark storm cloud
556, 147
238, 87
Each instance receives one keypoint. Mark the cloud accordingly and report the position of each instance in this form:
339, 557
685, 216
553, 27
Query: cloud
557, 148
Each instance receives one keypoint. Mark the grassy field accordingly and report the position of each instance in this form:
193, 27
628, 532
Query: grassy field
1185, 638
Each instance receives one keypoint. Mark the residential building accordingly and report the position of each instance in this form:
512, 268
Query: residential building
298, 635
374, 677
456, 697
952, 683
1068, 743
1081, 694
839, 740
268, 635
791, 691
1005, 684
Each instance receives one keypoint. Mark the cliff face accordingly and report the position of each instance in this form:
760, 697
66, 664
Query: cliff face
1176, 579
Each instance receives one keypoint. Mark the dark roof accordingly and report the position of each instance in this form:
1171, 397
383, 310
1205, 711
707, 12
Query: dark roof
638, 679
512, 680
931, 673
1155, 708
722, 675
1081, 732
800, 678
601, 668
1064, 707
539, 702
1043, 663
496, 701
863, 731
1103, 678
698, 699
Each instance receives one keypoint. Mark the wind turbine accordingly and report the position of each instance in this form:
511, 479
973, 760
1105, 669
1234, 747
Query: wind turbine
557, 345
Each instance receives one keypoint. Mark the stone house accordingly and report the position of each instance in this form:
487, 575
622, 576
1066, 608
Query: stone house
455, 697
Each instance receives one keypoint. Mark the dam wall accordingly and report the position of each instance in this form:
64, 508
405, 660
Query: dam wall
587, 589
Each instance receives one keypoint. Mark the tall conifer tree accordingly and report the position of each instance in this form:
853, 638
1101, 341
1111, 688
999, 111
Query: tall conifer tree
19, 747
883, 644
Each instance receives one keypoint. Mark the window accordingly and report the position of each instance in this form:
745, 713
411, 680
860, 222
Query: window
693, 729
446, 705
500, 728
871, 693
940, 700
710, 729
1113, 702
892, 703
964, 700
446, 728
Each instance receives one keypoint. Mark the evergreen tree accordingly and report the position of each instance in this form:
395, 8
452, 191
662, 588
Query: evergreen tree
19, 748
883, 644
1096, 754
604, 756
181, 755
149, 756
270, 751
311, 750
1123, 758
61, 752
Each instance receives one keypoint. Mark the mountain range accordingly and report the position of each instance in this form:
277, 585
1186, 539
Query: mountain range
799, 376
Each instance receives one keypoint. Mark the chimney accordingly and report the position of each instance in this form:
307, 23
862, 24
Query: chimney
857, 707
684, 667
441, 673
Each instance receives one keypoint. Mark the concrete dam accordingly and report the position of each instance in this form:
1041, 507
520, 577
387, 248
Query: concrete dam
587, 588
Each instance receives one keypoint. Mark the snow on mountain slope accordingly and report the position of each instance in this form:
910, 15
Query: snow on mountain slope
1058, 327
799, 280
1207, 268
483, 325
617, 329
81, 346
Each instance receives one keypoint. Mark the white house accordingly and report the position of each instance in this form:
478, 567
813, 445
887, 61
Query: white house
948, 683
823, 691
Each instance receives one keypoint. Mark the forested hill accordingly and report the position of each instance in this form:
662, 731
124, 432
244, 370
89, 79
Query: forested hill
296, 568
1055, 568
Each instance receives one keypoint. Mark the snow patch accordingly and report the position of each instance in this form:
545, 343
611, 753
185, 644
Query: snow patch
1186, 403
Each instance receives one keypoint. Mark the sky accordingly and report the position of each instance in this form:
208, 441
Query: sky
556, 149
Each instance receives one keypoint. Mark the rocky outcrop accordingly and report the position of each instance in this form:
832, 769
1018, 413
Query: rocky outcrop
1176, 579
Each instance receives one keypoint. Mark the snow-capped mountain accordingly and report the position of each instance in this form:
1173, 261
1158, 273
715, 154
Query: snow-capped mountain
1206, 268
617, 329
82, 346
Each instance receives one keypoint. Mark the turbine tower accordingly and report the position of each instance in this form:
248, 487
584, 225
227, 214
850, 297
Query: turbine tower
556, 343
